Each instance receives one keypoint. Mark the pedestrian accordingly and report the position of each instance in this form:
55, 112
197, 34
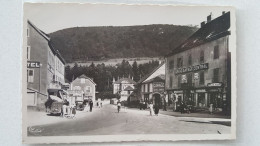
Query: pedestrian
182, 107
73, 111
90, 105
151, 108
156, 109
118, 105
101, 103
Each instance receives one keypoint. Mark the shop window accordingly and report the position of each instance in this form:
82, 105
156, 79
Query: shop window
216, 52
201, 78
216, 75
171, 65
179, 62
30, 75
190, 60
201, 56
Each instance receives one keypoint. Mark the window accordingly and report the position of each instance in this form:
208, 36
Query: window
179, 62
30, 75
201, 56
216, 75
171, 65
179, 81
216, 52
201, 78
88, 89
148, 87
189, 79
28, 52
190, 60
27, 32
171, 80
82, 81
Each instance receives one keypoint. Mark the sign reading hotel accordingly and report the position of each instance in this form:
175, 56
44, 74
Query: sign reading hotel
33, 64
192, 68
158, 87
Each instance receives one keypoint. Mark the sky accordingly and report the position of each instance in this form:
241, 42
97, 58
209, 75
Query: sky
52, 17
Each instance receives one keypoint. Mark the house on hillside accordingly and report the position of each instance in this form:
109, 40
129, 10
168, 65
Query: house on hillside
123, 87
82, 89
45, 66
151, 87
199, 70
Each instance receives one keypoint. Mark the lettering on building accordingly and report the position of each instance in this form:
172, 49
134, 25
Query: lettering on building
192, 68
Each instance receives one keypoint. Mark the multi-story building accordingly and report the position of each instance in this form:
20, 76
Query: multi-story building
199, 69
151, 87
124, 87
45, 66
83, 88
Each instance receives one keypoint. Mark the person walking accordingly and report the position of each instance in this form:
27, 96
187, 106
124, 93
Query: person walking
151, 108
118, 105
156, 109
73, 111
90, 105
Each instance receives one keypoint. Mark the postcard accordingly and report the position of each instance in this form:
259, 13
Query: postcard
123, 73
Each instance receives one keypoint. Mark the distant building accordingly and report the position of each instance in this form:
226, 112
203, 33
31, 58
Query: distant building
83, 88
124, 87
45, 66
199, 69
151, 87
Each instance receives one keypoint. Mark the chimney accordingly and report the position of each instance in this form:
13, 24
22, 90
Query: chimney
209, 18
202, 24
223, 12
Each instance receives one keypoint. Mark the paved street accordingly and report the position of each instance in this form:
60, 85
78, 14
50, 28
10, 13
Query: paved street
106, 121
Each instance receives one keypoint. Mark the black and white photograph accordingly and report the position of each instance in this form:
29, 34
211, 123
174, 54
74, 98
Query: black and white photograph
118, 72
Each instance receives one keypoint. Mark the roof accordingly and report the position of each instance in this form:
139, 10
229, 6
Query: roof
46, 36
210, 31
124, 79
39, 31
84, 76
147, 75
160, 77
128, 88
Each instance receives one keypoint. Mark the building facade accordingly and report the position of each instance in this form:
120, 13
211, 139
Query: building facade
123, 87
198, 70
152, 86
82, 89
41, 66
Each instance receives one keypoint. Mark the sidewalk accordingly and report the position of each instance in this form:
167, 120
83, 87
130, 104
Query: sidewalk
202, 114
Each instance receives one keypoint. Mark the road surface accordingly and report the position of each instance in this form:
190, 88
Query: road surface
106, 121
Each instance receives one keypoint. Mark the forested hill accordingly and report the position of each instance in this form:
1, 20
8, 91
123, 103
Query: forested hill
106, 42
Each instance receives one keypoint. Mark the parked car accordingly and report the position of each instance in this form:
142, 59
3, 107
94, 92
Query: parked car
55, 101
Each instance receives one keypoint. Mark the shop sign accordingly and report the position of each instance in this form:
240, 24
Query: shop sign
200, 90
192, 68
158, 87
215, 84
178, 92
33, 64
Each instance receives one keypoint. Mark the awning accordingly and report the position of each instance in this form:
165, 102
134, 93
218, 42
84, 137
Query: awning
55, 98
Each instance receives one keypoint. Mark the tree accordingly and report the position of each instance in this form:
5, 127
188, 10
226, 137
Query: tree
136, 76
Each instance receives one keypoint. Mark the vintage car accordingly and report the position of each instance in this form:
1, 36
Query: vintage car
55, 101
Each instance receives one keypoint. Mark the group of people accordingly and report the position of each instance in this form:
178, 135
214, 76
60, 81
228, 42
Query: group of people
68, 110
